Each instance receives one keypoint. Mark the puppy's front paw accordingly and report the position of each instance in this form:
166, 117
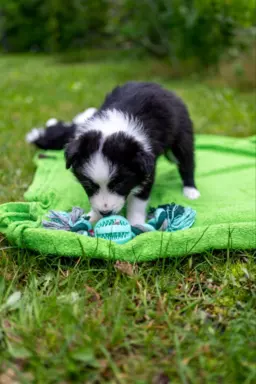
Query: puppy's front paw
94, 217
191, 193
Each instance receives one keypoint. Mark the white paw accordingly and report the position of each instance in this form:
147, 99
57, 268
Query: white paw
51, 122
94, 217
34, 135
191, 193
82, 117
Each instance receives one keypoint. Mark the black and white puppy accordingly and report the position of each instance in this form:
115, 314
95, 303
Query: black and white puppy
112, 151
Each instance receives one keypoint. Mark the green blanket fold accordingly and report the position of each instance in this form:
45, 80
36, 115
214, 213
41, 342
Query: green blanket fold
226, 211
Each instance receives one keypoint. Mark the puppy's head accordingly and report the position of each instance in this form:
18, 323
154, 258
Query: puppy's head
108, 168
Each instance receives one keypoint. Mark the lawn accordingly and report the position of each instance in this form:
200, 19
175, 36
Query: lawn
191, 320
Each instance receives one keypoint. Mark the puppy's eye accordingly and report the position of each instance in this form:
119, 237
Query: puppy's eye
122, 186
114, 185
89, 186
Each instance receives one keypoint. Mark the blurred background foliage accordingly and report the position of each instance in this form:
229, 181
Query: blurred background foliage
190, 35
51, 25
186, 29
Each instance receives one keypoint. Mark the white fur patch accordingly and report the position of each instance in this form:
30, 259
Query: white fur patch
136, 210
34, 135
82, 117
191, 193
51, 122
99, 169
114, 121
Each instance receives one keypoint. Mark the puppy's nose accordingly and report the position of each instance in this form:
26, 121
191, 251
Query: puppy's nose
106, 213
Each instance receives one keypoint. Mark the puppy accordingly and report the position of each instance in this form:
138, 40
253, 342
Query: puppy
112, 151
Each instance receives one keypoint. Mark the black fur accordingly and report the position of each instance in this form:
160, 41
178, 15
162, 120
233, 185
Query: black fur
164, 115
135, 166
78, 151
128, 153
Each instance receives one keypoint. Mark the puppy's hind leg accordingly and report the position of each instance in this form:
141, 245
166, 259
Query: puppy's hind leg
183, 150
83, 116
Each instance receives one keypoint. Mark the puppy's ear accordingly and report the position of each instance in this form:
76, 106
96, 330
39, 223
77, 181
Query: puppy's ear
82, 148
123, 149
72, 152
145, 162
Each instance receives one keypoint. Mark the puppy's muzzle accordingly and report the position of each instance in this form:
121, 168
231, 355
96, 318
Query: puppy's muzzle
106, 213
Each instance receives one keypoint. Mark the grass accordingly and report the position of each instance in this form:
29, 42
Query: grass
191, 320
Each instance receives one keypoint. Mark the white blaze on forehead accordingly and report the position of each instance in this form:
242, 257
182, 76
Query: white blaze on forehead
99, 169
114, 121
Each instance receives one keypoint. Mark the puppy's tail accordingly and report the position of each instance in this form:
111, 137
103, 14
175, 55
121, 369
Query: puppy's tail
57, 133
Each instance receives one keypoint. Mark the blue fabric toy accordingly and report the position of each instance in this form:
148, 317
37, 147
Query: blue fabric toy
168, 218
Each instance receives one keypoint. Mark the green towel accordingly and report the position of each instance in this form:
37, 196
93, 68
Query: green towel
226, 211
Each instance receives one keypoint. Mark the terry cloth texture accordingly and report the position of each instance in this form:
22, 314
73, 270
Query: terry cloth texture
226, 210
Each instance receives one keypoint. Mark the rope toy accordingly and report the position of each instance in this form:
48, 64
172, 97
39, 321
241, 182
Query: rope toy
167, 218
74, 221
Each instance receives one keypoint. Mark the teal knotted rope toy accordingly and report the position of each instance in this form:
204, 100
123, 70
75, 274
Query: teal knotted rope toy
168, 218
74, 221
